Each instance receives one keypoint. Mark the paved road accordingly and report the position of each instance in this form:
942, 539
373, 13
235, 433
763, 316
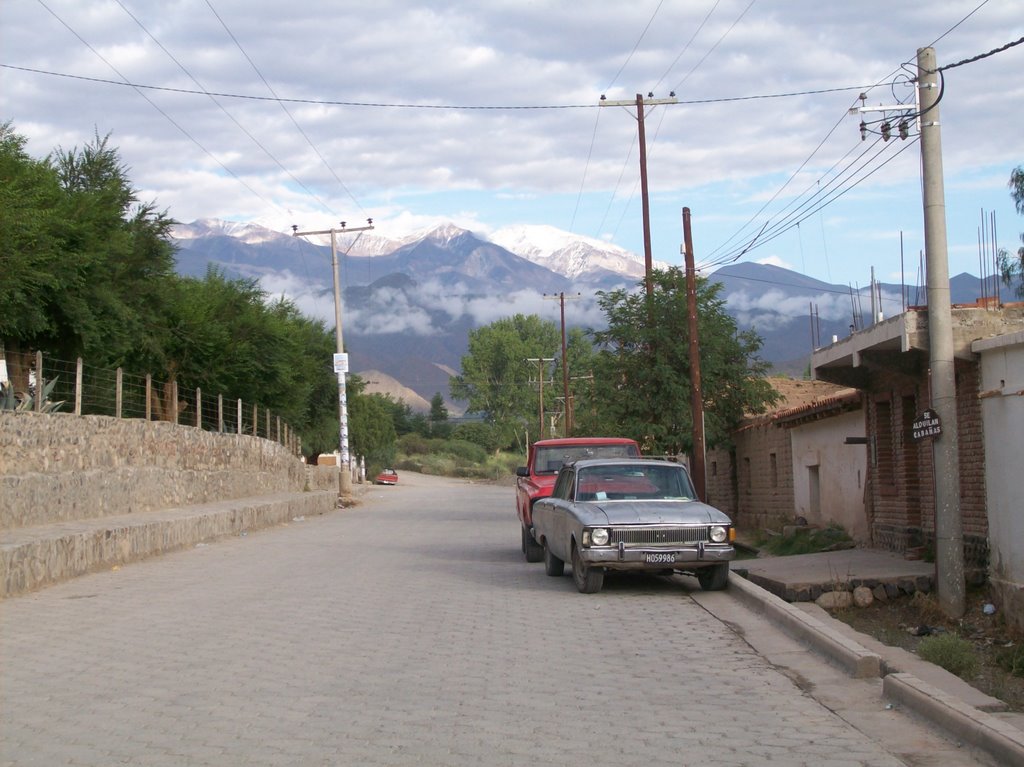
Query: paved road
410, 631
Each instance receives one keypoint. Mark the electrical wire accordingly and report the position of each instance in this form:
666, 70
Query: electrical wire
717, 43
155, 106
635, 46
688, 44
295, 122
220, 106
452, 107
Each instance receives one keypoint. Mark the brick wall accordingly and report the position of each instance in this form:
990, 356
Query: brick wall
902, 486
63, 467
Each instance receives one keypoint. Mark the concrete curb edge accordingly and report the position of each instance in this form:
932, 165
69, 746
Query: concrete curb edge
856, 660
971, 725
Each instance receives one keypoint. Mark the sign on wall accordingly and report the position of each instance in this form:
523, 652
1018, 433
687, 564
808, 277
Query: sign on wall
926, 425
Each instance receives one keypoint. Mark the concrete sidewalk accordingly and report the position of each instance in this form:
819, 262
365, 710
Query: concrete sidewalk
37, 556
929, 691
805, 577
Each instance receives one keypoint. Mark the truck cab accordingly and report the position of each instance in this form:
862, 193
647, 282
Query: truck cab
537, 478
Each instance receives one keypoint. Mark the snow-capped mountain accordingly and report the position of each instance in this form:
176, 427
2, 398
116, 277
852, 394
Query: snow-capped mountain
570, 255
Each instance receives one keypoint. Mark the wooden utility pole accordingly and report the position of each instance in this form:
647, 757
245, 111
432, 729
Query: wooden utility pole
567, 421
696, 395
540, 364
645, 201
340, 361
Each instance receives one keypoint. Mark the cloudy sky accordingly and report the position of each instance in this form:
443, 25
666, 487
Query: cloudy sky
486, 114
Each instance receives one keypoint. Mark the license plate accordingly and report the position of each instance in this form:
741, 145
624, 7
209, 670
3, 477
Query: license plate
660, 558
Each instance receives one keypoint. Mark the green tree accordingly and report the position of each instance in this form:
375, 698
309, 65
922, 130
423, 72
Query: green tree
496, 376
372, 429
642, 373
1011, 266
438, 417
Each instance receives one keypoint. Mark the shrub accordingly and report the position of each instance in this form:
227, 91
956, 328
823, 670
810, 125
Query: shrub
952, 653
1011, 660
807, 540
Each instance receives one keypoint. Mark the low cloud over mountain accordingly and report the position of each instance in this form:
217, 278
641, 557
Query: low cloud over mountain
409, 304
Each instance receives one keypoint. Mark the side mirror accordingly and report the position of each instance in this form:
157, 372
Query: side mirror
523, 471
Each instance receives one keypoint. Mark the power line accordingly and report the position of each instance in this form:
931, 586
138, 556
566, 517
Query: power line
153, 104
283, 107
713, 47
453, 107
981, 56
687, 46
220, 106
635, 46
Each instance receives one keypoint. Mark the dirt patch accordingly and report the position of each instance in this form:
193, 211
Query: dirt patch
907, 621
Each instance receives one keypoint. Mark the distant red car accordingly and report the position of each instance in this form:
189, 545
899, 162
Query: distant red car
387, 477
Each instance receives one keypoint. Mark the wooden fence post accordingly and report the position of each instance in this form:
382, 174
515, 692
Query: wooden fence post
119, 396
78, 388
199, 408
149, 396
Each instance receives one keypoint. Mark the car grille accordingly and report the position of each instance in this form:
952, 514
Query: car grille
658, 536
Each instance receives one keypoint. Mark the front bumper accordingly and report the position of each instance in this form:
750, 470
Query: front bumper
635, 558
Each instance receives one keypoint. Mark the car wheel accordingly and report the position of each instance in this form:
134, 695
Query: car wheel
532, 549
589, 580
553, 566
714, 578
522, 539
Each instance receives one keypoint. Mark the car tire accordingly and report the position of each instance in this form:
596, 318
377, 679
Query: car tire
532, 549
589, 580
714, 578
553, 566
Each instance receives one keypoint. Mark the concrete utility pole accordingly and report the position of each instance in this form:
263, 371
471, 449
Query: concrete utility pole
949, 536
340, 359
696, 393
645, 202
540, 364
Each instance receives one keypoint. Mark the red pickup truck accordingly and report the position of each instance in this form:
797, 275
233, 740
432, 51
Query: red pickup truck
537, 478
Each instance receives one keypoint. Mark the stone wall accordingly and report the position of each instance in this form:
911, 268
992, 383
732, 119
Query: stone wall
61, 467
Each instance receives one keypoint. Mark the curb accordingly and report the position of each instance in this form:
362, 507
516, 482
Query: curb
856, 660
963, 721
981, 729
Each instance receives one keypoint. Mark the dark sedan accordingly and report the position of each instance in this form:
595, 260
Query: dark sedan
631, 514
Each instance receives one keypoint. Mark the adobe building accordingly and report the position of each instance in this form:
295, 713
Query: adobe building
889, 364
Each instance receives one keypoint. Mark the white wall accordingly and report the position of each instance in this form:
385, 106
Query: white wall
1002, 414
840, 471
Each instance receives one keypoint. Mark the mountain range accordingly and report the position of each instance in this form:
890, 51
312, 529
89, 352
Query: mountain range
410, 303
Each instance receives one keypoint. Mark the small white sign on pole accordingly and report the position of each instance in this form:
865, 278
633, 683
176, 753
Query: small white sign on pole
341, 363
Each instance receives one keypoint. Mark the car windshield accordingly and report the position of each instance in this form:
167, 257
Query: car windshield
549, 460
632, 482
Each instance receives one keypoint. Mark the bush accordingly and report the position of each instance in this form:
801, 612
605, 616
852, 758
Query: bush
952, 653
1012, 660
807, 540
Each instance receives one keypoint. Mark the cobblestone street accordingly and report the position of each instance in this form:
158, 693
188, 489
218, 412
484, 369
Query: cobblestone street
407, 630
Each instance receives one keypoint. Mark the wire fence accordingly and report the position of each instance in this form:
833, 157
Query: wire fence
88, 390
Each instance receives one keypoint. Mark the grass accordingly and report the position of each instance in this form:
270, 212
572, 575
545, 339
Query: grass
952, 653
805, 540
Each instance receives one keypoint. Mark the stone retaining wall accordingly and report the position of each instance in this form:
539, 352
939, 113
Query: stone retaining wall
61, 467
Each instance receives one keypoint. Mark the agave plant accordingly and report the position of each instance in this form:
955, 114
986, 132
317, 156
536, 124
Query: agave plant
9, 400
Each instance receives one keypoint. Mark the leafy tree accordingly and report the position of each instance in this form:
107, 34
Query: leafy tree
30, 251
371, 428
496, 377
1011, 266
642, 372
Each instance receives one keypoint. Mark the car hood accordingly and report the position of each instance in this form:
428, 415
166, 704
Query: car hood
659, 512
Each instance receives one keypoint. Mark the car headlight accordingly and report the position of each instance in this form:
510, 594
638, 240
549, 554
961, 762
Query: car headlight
718, 534
596, 537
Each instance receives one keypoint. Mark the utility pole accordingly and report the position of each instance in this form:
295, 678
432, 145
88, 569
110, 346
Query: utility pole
696, 394
540, 364
645, 202
568, 420
340, 360
949, 535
